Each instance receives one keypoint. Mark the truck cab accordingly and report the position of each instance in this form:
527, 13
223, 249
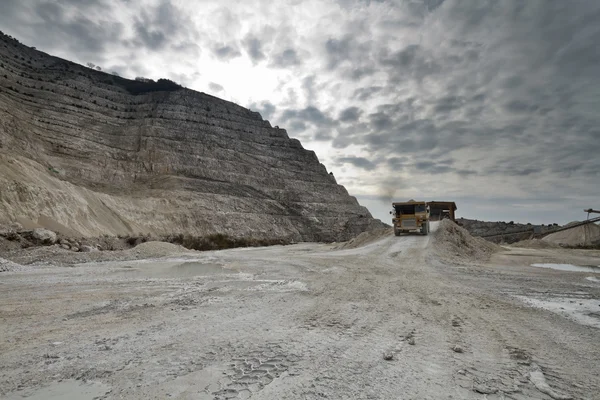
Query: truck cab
410, 216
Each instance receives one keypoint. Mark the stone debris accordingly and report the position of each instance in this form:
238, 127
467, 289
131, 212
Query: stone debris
87, 249
457, 349
9, 266
454, 244
536, 376
44, 236
583, 235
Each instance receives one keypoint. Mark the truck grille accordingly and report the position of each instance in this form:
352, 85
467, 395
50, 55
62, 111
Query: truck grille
409, 223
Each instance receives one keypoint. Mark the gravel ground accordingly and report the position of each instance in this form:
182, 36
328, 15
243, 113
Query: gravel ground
391, 319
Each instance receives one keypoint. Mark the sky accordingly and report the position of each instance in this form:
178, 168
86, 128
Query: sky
493, 104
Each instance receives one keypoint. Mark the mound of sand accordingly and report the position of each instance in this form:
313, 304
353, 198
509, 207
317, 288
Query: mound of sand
157, 249
536, 244
583, 235
9, 266
365, 238
456, 245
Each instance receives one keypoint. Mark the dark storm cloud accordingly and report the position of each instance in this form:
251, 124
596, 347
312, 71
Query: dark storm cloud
157, 26
356, 74
400, 59
350, 56
366, 93
265, 108
322, 137
350, 114
309, 114
59, 27
525, 87
338, 50
253, 47
226, 52
215, 87
285, 59
359, 162
297, 126
449, 103
348, 134
380, 121
308, 84
87, 29
520, 106
397, 163
433, 4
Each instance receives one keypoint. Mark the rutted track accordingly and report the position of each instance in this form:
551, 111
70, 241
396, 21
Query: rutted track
294, 322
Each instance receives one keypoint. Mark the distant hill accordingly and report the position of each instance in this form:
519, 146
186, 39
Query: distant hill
501, 231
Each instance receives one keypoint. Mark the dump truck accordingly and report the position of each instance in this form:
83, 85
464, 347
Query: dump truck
410, 216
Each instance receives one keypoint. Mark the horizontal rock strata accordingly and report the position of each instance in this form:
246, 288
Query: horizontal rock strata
90, 153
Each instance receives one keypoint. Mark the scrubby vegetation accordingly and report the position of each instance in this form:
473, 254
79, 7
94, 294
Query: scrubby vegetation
144, 85
219, 241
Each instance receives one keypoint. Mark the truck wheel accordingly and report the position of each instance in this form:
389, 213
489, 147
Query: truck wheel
397, 233
425, 228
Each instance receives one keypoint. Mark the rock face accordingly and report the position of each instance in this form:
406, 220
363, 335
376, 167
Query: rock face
88, 153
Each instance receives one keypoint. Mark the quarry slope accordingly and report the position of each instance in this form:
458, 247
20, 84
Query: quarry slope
87, 153
386, 320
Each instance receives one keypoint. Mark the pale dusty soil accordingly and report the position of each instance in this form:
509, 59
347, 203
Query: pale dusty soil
301, 322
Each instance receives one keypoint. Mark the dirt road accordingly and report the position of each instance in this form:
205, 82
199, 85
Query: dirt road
389, 320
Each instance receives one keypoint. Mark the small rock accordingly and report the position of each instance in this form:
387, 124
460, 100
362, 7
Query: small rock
484, 389
87, 249
44, 235
75, 248
411, 341
457, 349
65, 246
388, 356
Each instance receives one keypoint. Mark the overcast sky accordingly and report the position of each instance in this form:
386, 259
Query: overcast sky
492, 104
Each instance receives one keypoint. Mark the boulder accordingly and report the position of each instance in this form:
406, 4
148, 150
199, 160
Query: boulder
44, 236
87, 249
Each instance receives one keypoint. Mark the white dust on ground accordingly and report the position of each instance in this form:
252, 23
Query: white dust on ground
454, 244
59, 256
365, 238
535, 244
298, 322
583, 235
536, 376
157, 249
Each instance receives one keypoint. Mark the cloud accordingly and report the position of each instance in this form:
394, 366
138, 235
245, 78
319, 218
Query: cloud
82, 34
265, 108
366, 93
350, 114
253, 47
226, 52
498, 98
160, 25
215, 87
359, 162
309, 114
285, 59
